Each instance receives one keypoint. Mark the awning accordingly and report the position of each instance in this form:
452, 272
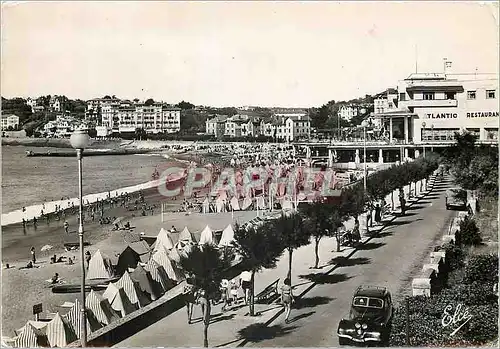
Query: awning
436, 88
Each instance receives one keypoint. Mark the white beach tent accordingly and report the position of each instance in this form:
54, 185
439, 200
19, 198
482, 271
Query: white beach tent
122, 304
59, 332
186, 235
163, 240
174, 255
219, 205
261, 203
161, 257
247, 202
235, 204
206, 206
227, 236
132, 290
286, 204
100, 267
207, 236
100, 308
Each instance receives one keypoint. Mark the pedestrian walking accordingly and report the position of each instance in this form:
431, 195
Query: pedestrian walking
33, 257
234, 292
287, 298
66, 227
378, 215
224, 290
35, 221
246, 283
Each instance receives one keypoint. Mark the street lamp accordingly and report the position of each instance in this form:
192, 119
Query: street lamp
432, 134
364, 124
423, 125
80, 140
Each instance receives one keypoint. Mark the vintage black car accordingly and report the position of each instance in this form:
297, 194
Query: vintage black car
370, 317
456, 198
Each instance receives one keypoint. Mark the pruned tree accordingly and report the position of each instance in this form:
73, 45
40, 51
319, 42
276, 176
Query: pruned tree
260, 247
292, 233
206, 265
317, 218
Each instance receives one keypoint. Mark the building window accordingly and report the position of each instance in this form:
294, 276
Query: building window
428, 96
402, 96
490, 94
471, 94
450, 95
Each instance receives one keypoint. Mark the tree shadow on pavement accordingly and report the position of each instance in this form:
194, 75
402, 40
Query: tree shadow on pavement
325, 279
255, 333
342, 261
385, 234
371, 246
416, 207
311, 302
221, 318
399, 223
301, 316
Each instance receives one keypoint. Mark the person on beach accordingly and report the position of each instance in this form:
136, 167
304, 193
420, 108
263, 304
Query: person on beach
88, 257
55, 279
245, 282
224, 285
33, 257
287, 298
66, 227
35, 221
234, 292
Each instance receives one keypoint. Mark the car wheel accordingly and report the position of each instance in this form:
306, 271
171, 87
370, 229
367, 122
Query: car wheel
343, 341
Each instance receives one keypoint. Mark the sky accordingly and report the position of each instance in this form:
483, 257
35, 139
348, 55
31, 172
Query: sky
294, 54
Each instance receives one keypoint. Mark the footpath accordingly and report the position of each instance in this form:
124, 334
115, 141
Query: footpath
232, 327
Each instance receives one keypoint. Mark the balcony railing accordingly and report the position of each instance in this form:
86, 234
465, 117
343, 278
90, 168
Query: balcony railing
431, 103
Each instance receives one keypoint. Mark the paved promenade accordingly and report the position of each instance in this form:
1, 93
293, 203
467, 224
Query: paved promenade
388, 259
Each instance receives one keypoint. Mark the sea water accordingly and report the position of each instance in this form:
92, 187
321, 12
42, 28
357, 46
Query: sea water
32, 181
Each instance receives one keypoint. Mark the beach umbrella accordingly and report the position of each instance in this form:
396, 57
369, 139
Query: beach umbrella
46, 248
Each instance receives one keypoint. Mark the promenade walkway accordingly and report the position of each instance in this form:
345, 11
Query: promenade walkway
230, 328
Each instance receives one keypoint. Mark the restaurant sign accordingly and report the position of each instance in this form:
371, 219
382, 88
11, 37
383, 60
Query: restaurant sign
455, 115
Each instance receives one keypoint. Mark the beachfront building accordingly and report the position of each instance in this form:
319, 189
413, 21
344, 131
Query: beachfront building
384, 102
242, 126
292, 124
428, 111
95, 106
216, 126
348, 111
10, 121
126, 116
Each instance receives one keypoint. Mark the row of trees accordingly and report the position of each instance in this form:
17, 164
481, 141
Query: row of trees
475, 167
261, 246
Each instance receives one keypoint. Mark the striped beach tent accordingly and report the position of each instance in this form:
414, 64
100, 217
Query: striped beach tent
174, 255
100, 267
247, 202
31, 337
227, 236
74, 318
163, 240
132, 290
143, 278
235, 204
161, 257
59, 332
186, 235
207, 236
110, 292
219, 205
100, 309
261, 203
121, 304
159, 275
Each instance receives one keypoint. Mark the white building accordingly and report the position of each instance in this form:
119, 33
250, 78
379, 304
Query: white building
10, 120
432, 107
127, 117
348, 111
57, 104
216, 126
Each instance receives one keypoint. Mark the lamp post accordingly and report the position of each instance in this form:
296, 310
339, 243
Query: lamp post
80, 140
364, 124
432, 134
423, 144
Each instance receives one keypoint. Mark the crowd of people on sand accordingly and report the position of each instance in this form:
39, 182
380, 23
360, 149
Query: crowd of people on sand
93, 212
